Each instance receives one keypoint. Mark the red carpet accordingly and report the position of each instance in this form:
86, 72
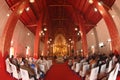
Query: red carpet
118, 78
3, 74
61, 72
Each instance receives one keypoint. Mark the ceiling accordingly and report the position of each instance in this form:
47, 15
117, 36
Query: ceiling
60, 16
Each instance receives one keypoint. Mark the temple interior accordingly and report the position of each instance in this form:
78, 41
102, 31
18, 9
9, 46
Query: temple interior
43, 38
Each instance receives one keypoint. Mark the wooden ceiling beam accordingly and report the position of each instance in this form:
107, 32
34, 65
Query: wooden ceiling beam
90, 25
32, 25
58, 5
61, 19
16, 4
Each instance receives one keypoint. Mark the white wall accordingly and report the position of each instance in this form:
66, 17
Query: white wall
103, 36
102, 32
90, 39
115, 12
4, 10
22, 38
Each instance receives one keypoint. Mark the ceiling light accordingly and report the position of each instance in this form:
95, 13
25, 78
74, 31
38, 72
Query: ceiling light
69, 39
28, 34
43, 34
113, 16
45, 29
92, 46
81, 50
109, 40
8, 15
81, 33
32, 1
41, 31
50, 39
76, 29
78, 34
27, 47
48, 42
90, 1
68, 45
99, 3
92, 33
95, 9
101, 11
28, 8
20, 12
11, 42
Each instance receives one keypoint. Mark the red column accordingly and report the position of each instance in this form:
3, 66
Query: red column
83, 37
8, 32
10, 26
46, 45
110, 25
37, 37
74, 44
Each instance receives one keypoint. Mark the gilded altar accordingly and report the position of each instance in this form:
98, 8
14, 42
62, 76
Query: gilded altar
60, 46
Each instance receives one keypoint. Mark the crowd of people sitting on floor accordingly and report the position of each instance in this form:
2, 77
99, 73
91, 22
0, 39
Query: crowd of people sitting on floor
36, 68
99, 65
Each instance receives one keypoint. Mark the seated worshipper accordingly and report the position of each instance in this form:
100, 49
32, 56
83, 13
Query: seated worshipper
31, 60
39, 71
39, 61
93, 62
42, 75
115, 59
15, 62
31, 71
22, 61
70, 62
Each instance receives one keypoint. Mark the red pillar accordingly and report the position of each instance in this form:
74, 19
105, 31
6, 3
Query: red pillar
46, 45
10, 26
37, 37
110, 25
83, 37
8, 32
74, 43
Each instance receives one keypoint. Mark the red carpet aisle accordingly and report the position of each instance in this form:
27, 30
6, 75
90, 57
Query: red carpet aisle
3, 74
118, 78
61, 72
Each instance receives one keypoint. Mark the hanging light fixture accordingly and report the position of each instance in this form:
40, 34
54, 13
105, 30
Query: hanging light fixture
8, 15
69, 39
32, 1
28, 8
95, 9
90, 1
76, 29
45, 29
